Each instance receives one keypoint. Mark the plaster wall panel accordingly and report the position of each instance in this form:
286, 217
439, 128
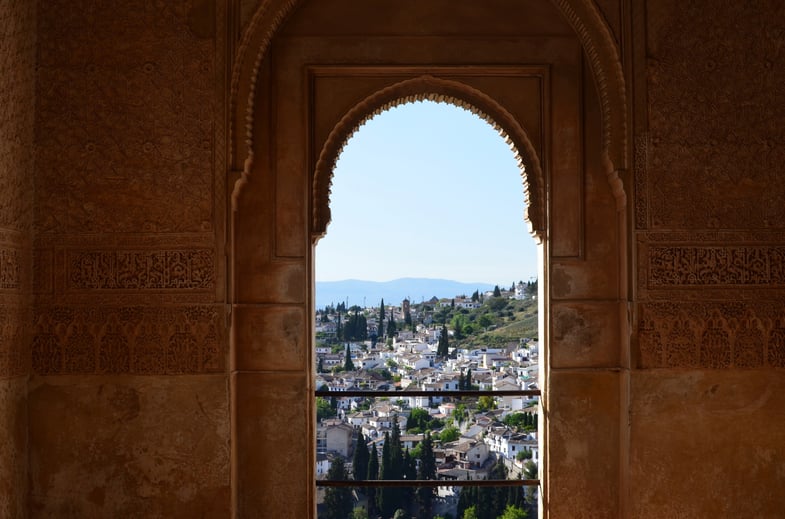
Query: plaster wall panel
584, 334
272, 435
272, 338
583, 444
707, 444
13, 448
125, 446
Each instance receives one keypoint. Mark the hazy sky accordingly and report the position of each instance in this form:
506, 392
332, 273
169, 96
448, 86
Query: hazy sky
427, 190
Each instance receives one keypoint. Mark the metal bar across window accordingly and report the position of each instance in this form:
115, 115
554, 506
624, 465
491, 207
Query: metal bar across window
428, 483
405, 393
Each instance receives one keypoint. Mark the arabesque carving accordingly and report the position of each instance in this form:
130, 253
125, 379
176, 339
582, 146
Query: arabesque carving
9, 269
125, 132
137, 339
141, 270
697, 64
685, 266
711, 335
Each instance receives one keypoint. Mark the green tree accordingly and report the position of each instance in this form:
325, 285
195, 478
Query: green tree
360, 513
418, 419
361, 457
475, 296
486, 403
460, 414
392, 329
468, 379
470, 513
496, 291
443, 346
337, 500
426, 470
348, 365
372, 474
320, 366
513, 512
485, 320
449, 434
381, 319
323, 409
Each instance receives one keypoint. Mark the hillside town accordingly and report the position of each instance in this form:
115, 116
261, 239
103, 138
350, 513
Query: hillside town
436, 345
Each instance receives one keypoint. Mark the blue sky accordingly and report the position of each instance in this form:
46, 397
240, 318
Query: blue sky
427, 190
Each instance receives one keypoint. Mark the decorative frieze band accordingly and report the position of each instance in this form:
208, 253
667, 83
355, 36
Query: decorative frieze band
133, 339
183, 269
711, 335
14, 360
9, 269
687, 266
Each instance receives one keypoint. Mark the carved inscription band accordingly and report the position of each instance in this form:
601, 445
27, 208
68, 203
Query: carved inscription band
141, 270
139, 340
716, 266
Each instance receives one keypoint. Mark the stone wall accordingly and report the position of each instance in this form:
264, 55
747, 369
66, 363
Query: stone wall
710, 319
129, 403
17, 101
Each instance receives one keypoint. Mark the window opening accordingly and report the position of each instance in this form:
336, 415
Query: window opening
428, 190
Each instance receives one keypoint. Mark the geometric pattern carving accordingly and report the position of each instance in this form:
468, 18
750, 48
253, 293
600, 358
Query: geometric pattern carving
141, 270
126, 132
17, 91
640, 159
711, 335
696, 64
139, 340
753, 266
9, 269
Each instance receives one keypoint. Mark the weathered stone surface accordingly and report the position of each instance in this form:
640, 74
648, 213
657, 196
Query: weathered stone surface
13, 448
273, 441
585, 335
272, 338
707, 444
123, 446
583, 444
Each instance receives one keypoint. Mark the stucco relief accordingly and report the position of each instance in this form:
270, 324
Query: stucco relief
9, 269
136, 339
141, 270
696, 107
125, 117
17, 54
711, 335
14, 355
696, 266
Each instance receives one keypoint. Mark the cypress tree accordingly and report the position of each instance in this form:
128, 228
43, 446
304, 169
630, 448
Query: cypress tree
348, 365
427, 470
361, 458
337, 500
373, 474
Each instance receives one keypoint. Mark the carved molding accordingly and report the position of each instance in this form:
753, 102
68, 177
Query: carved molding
584, 16
739, 266
711, 335
640, 163
134, 339
181, 269
427, 87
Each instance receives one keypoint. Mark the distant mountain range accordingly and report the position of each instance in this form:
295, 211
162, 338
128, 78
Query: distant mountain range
370, 293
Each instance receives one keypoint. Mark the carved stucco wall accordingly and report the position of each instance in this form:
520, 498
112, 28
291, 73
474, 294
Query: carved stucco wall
17, 80
129, 405
710, 304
